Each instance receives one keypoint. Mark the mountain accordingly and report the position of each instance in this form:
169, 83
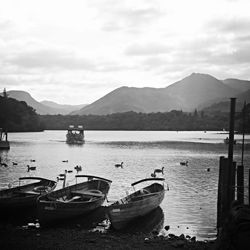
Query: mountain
198, 89
26, 97
63, 108
145, 100
224, 105
239, 85
188, 94
44, 107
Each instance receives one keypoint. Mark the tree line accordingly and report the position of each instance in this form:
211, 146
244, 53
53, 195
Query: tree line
173, 120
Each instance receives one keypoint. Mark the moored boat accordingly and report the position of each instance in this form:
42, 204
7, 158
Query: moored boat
139, 203
25, 195
78, 199
75, 135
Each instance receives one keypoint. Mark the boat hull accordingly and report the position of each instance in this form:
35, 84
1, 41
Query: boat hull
4, 145
58, 206
121, 215
56, 211
25, 196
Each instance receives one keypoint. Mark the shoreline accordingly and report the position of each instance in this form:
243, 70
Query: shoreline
93, 232
79, 238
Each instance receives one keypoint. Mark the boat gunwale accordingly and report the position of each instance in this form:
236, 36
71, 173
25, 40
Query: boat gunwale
93, 176
147, 179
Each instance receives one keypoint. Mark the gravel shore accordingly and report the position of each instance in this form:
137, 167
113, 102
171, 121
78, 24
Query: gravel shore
91, 232
78, 238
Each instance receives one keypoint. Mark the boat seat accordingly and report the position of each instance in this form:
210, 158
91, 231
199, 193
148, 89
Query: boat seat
74, 198
89, 193
25, 192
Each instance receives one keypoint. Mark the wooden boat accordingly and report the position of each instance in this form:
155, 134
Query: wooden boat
25, 195
136, 204
75, 135
78, 199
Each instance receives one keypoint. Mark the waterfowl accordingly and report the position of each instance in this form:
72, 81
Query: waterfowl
65, 161
78, 168
32, 160
157, 170
14, 163
153, 175
119, 165
184, 163
30, 168
4, 164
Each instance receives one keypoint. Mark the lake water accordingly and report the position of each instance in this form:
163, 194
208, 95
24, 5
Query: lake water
190, 204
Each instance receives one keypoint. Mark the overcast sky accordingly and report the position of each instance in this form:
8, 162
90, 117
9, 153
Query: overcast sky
76, 51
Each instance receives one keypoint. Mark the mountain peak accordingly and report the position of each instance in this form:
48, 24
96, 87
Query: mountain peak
200, 75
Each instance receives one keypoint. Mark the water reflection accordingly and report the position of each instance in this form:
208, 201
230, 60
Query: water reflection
75, 145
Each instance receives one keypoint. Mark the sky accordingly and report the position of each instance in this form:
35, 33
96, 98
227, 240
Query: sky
76, 51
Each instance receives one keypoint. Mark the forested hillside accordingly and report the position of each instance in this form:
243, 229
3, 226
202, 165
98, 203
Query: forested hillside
174, 120
18, 116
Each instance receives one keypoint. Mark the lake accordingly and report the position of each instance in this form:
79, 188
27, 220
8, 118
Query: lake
190, 204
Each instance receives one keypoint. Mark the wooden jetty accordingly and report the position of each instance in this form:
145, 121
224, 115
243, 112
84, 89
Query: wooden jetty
233, 211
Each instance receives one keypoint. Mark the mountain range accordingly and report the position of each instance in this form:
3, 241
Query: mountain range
44, 107
196, 91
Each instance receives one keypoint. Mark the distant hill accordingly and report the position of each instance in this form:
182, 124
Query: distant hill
145, 100
239, 85
224, 105
198, 89
63, 108
42, 108
26, 97
188, 94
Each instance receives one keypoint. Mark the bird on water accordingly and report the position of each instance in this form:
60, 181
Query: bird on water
119, 165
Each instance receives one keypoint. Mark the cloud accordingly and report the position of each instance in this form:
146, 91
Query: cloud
50, 59
5, 25
236, 25
127, 15
147, 49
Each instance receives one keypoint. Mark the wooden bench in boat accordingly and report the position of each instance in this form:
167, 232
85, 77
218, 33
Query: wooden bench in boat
75, 198
25, 192
88, 193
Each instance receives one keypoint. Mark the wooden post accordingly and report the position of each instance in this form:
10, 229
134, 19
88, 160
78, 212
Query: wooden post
224, 192
231, 131
231, 173
249, 188
232, 196
243, 133
219, 194
240, 184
